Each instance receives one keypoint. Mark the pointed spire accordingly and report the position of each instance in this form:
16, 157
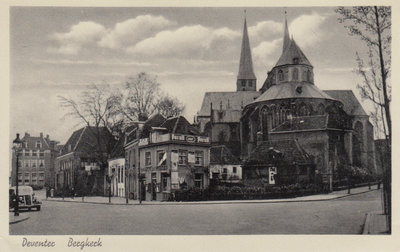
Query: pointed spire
246, 62
286, 37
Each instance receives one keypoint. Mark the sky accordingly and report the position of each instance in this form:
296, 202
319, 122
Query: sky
59, 51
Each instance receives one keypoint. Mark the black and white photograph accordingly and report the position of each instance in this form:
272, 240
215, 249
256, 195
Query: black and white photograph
200, 121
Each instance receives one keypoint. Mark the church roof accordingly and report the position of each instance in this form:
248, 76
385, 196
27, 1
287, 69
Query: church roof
291, 150
291, 90
351, 105
291, 51
222, 155
246, 62
228, 100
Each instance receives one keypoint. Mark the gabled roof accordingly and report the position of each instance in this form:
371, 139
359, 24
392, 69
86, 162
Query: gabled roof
291, 151
291, 51
222, 155
303, 123
227, 100
351, 105
154, 121
31, 141
290, 90
85, 140
179, 125
246, 62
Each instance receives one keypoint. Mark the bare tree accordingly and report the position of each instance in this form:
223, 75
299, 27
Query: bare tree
97, 108
140, 96
169, 107
372, 24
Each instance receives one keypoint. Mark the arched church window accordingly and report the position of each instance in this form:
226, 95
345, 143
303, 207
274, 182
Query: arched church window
321, 109
357, 143
309, 77
280, 75
295, 74
303, 110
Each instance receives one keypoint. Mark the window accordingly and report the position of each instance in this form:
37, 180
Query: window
295, 74
198, 180
250, 83
26, 162
34, 154
34, 164
41, 176
309, 75
41, 162
243, 83
198, 158
147, 157
280, 75
225, 170
234, 169
296, 60
38, 144
183, 157
27, 153
161, 158
41, 154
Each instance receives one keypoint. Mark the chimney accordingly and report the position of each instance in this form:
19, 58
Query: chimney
47, 137
26, 134
41, 134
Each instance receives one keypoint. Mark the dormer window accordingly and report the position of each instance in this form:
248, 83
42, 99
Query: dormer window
296, 60
38, 144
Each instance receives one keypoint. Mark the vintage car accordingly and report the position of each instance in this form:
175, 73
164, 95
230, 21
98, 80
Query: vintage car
27, 199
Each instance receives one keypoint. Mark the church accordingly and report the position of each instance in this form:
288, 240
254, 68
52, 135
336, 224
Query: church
289, 131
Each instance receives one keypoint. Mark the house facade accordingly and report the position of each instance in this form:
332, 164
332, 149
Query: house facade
36, 161
168, 157
224, 166
81, 164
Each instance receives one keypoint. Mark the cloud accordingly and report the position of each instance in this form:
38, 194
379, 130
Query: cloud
91, 62
265, 30
265, 49
129, 32
185, 42
307, 29
79, 35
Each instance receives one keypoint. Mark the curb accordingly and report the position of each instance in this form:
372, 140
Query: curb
17, 221
215, 202
367, 223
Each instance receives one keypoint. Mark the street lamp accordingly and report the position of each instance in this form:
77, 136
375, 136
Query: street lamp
17, 147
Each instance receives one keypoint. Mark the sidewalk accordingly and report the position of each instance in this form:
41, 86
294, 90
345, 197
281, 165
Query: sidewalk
15, 219
122, 201
375, 223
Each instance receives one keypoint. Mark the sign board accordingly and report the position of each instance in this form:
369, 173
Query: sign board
143, 141
271, 177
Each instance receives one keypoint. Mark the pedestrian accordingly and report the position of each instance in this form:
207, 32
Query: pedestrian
73, 192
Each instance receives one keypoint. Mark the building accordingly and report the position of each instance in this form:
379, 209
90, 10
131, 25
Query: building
224, 166
116, 169
82, 161
37, 161
169, 156
220, 112
328, 129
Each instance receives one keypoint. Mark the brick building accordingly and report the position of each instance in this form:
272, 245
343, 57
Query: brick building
329, 128
82, 162
37, 161
168, 155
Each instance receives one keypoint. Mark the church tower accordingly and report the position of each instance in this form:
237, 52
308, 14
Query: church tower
246, 79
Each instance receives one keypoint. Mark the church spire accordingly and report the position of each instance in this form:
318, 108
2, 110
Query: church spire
286, 37
246, 80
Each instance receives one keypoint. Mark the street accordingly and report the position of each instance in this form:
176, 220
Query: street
340, 216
